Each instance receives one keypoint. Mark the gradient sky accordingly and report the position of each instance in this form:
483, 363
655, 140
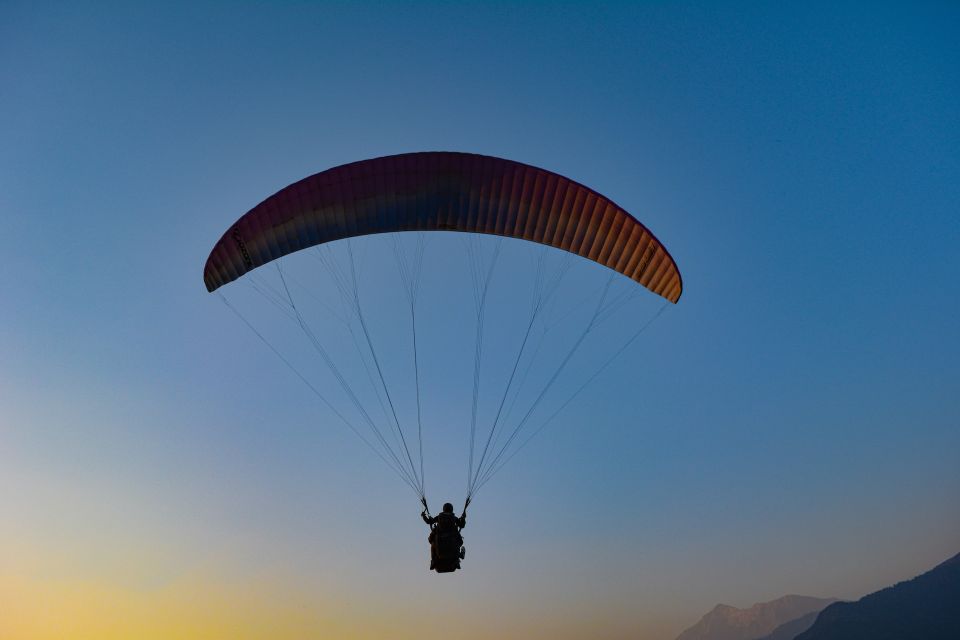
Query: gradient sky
792, 426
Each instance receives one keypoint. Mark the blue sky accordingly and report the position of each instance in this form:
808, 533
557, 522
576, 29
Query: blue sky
790, 427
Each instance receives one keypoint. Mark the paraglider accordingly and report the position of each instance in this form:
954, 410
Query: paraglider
420, 194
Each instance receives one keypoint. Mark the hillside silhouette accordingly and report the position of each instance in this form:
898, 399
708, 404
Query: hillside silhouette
927, 607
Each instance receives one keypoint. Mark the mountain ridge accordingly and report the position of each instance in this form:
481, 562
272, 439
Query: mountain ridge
725, 622
926, 606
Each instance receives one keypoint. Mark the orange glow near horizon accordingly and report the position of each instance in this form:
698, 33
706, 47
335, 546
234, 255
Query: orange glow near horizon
196, 606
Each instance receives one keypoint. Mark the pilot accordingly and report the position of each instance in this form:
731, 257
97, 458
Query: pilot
445, 521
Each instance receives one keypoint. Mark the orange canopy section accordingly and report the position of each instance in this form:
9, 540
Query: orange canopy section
444, 191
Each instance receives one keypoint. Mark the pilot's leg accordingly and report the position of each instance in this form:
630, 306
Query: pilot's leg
432, 539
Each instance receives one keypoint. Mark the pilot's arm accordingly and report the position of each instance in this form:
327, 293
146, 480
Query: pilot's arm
428, 519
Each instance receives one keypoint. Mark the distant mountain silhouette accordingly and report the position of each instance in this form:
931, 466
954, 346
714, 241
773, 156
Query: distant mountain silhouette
729, 623
790, 630
927, 608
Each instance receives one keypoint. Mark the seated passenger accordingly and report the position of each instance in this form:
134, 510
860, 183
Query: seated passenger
445, 539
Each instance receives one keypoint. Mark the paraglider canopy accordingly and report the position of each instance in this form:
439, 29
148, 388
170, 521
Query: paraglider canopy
444, 191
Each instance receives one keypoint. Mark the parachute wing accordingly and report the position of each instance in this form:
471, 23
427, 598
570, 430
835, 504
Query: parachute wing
444, 191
